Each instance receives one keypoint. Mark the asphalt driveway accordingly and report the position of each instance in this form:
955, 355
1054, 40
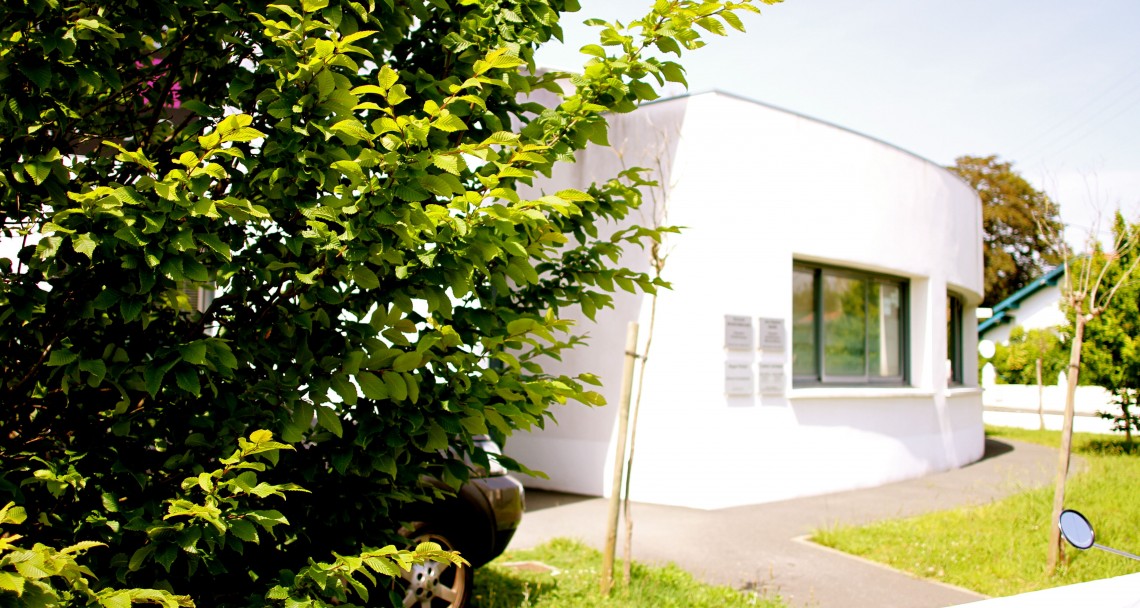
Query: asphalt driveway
761, 546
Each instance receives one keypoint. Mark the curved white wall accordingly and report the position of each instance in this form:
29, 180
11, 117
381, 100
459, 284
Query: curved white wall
757, 188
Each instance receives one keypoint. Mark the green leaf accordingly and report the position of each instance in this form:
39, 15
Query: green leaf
732, 19
364, 277
130, 236
187, 380
372, 386
397, 95
593, 50
387, 77
352, 130
474, 424
115, 599
345, 389
11, 514
447, 162
436, 185
436, 439
328, 418
712, 25
326, 84
213, 242
397, 388
194, 352
11, 582
349, 39
673, 72
153, 376
244, 134
244, 530
37, 171
350, 168
130, 309
520, 326
448, 122
139, 557
288, 10
36, 71
61, 357
406, 362
97, 370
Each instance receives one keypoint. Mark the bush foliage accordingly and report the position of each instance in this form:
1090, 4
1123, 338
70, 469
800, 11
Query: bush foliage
1016, 361
343, 175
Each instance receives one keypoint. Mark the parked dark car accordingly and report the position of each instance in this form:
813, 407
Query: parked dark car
478, 521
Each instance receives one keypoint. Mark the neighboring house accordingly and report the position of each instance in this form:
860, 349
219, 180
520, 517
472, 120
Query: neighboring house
824, 294
1038, 306
1035, 306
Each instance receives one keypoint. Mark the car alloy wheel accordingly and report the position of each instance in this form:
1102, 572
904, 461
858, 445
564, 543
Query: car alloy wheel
434, 584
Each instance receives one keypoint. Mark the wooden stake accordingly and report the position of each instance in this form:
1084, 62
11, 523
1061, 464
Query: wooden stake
607, 581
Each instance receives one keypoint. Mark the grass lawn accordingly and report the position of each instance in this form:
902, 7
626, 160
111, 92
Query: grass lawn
576, 584
1000, 548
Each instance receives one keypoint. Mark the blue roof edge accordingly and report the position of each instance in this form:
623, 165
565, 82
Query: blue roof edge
1048, 279
992, 322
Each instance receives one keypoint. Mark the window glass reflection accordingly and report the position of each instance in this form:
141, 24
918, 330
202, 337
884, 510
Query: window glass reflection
844, 326
803, 323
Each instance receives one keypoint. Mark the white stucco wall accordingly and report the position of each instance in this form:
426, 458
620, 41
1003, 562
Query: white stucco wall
757, 188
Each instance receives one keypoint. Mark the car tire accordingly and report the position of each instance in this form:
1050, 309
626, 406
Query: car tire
437, 585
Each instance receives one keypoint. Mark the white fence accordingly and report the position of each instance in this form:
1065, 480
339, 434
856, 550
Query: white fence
1017, 405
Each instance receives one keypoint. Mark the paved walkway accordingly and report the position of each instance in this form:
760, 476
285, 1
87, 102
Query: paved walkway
760, 546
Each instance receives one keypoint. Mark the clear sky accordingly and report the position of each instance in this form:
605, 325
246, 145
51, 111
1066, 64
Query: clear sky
1052, 86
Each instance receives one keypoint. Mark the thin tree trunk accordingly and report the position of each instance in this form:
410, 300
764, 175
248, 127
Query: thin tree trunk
1124, 403
1055, 549
607, 579
1040, 397
627, 550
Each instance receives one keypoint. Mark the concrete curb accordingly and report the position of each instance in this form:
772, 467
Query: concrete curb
806, 540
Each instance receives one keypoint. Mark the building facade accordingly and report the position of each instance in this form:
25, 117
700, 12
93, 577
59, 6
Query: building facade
824, 292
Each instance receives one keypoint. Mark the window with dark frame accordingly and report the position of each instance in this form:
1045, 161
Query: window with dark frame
848, 327
954, 339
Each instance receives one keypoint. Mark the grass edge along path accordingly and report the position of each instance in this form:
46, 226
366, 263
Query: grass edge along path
999, 548
575, 585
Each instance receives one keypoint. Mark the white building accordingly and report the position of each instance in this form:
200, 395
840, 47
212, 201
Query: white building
1035, 306
868, 257
1038, 306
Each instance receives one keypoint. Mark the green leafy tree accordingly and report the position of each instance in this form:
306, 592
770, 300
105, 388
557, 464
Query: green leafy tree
344, 175
1016, 362
1016, 221
1091, 284
1110, 353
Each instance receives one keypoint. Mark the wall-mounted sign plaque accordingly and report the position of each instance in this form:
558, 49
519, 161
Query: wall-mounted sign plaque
772, 380
738, 332
738, 378
773, 336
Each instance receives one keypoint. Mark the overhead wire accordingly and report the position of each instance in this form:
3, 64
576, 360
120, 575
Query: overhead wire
1080, 111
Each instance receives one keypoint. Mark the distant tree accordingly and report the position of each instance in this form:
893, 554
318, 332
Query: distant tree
1015, 218
1016, 362
1110, 354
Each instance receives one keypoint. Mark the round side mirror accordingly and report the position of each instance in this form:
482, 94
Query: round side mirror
1076, 529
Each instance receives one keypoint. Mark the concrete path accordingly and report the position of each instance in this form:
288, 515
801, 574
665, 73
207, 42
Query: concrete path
760, 547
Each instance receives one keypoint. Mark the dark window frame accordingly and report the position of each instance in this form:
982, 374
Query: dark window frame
954, 338
819, 377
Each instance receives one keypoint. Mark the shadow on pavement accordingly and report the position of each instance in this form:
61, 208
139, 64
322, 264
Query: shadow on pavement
995, 448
